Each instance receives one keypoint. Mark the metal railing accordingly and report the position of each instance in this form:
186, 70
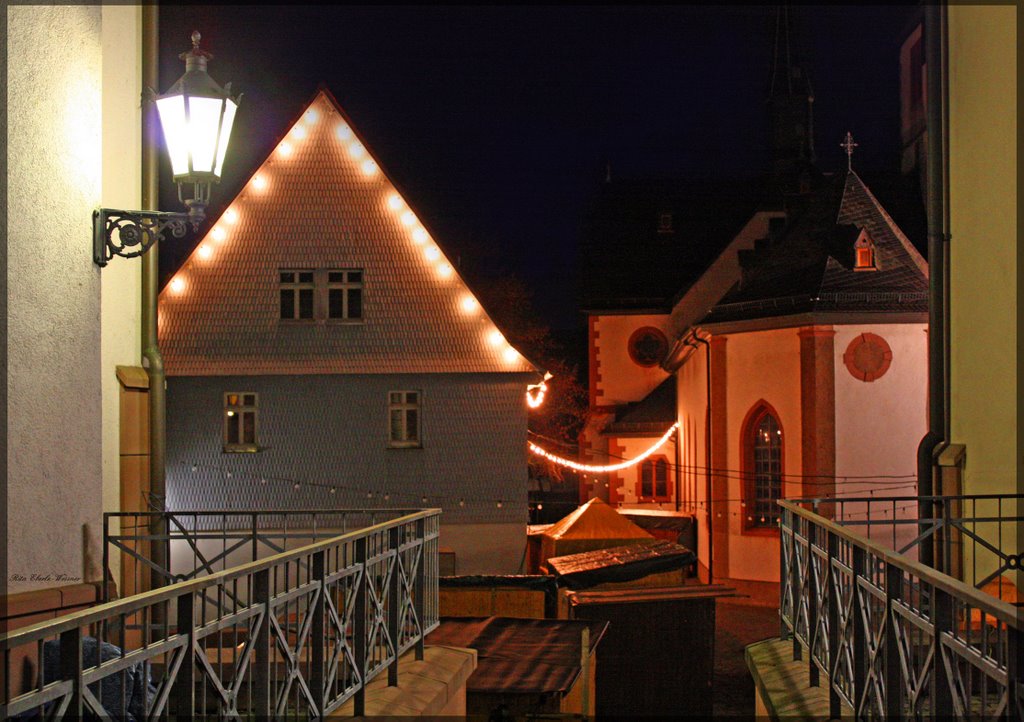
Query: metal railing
295, 634
893, 637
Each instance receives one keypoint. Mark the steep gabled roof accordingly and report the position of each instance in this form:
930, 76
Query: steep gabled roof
809, 267
651, 415
321, 201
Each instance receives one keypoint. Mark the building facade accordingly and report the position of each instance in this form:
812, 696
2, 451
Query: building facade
322, 352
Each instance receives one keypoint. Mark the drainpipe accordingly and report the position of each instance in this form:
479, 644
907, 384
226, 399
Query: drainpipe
679, 461
937, 169
151, 358
707, 453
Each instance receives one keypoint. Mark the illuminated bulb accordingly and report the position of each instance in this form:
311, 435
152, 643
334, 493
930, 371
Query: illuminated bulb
495, 338
296, 486
263, 481
420, 235
369, 167
394, 201
229, 474
177, 285
231, 216
333, 489
423, 500
510, 354
298, 132
408, 218
344, 132
387, 496
259, 182
311, 116
231, 413
285, 149
469, 304
499, 504
445, 270
462, 502
369, 495
356, 150
540, 507
432, 253
218, 234
195, 469
205, 252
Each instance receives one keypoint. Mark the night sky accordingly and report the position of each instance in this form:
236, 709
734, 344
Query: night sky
500, 123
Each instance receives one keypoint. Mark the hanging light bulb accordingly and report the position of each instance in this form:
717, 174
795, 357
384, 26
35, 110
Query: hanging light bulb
259, 182
285, 149
178, 284
231, 216
311, 116
218, 234
194, 469
296, 486
394, 201
298, 132
462, 502
205, 252
263, 481
344, 132
499, 503
333, 490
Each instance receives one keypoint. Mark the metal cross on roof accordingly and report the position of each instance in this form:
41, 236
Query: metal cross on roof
848, 145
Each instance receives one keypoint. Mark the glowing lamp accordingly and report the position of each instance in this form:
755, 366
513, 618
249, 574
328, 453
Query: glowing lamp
218, 234
285, 149
432, 253
205, 252
311, 116
196, 115
510, 354
178, 284
259, 182
298, 132
394, 201
495, 338
344, 132
408, 218
356, 150
369, 167
231, 216
469, 304
445, 270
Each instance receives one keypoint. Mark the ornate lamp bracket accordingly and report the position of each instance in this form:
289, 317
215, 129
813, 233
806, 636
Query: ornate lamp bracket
131, 233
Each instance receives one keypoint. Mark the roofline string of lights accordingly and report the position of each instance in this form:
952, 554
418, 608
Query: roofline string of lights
406, 218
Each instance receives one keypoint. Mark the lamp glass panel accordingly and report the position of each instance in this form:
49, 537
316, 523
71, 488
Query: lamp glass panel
203, 121
172, 119
225, 134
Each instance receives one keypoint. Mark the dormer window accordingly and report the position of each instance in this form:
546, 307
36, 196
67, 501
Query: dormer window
664, 222
864, 253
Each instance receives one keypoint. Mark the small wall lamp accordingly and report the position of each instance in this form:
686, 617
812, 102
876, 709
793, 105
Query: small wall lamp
196, 115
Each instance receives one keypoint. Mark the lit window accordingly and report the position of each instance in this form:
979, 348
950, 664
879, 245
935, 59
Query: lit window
864, 253
763, 452
404, 419
240, 423
297, 295
345, 294
654, 479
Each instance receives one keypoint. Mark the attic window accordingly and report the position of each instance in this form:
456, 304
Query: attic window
864, 253
665, 222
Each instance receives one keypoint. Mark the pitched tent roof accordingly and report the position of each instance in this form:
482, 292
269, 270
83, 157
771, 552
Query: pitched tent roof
809, 267
595, 520
321, 201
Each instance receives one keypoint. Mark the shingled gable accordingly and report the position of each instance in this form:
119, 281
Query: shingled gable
809, 269
321, 201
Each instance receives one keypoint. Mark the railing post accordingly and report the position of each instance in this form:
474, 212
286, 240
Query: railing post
1014, 650
261, 704
393, 602
796, 591
813, 603
316, 650
359, 629
183, 694
420, 585
832, 581
786, 523
860, 630
893, 692
942, 622
71, 669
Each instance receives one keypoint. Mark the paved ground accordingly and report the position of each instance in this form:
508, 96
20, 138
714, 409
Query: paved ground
738, 623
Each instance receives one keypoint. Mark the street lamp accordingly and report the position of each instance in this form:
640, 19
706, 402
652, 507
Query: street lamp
196, 115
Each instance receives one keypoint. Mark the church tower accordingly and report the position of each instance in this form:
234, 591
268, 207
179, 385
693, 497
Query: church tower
791, 114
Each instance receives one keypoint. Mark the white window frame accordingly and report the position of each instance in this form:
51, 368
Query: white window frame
297, 287
398, 400
344, 286
236, 404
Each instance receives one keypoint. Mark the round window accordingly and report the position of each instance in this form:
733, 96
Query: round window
868, 357
647, 346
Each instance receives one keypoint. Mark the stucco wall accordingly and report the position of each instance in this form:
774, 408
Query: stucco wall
121, 280
761, 365
985, 407
54, 459
331, 430
630, 477
691, 390
621, 379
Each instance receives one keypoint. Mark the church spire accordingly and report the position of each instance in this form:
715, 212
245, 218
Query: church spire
791, 110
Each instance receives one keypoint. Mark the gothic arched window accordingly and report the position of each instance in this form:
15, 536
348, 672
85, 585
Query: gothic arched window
762, 442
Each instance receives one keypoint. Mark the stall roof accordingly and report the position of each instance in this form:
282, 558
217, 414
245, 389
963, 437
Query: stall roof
520, 656
620, 564
595, 520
